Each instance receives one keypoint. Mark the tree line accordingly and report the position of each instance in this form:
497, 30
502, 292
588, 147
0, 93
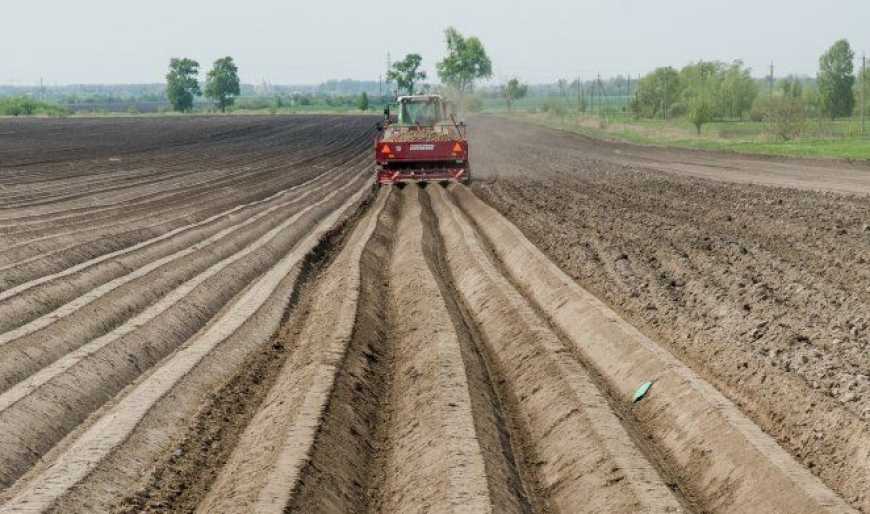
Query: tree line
466, 61
706, 91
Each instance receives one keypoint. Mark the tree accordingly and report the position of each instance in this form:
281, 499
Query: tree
514, 91
466, 62
737, 90
222, 84
811, 100
406, 73
836, 80
182, 84
363, 102
791, 87
702, 93
700, 111
786, 116
656, 92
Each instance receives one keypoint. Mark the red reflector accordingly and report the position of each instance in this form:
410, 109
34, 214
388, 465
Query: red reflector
386, 149
457, 148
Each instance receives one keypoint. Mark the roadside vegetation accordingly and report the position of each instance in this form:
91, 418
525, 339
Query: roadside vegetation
822, 138
712, 105
25, 106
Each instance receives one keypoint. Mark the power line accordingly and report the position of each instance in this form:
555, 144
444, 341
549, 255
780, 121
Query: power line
863, 91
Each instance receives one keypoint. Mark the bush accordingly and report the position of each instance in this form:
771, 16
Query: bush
28, 107
760, 108
678, 110
786, 117
254, 103
555, 106
24, 106
12, 109
700, 111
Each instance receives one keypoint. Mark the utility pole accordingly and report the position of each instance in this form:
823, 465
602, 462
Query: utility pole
592, 98
636, 96
600, 91
580, 91
770, 80
863, 92
627, 101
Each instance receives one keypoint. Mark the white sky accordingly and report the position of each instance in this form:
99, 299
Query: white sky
292, 41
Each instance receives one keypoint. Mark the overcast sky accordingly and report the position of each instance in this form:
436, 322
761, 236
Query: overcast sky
292, 41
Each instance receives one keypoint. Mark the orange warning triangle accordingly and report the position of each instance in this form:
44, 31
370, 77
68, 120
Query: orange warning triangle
386, 149
457, 148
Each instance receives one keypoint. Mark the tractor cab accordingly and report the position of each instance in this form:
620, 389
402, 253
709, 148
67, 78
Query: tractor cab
421, 110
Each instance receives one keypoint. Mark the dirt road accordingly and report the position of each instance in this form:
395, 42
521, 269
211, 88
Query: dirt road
194, 330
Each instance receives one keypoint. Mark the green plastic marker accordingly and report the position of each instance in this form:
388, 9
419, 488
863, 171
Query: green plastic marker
641, 392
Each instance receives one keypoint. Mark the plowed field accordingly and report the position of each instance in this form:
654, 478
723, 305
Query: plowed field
222, 315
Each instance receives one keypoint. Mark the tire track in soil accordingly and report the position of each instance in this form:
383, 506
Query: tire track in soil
363, 410
720, 458
559, 414
28, 347
338, 331
143, 252
209, 182
580, 457
104, 457
420, 355
150, 340
29, 259
762, 290
158, 171
183, 475
57, 398
442, 448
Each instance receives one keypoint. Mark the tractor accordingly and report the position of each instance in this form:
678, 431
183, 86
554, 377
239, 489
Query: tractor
422, 142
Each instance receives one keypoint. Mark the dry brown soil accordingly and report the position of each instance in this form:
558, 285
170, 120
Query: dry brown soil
221, 315
763, 290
